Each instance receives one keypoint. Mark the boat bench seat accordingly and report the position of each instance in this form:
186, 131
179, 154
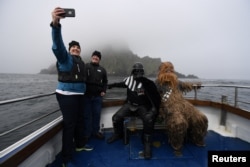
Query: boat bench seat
133, 123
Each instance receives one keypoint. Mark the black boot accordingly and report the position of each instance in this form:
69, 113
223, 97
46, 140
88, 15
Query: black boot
147, 147
114, 138
117, 133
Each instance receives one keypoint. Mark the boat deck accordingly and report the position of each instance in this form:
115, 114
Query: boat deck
118, 154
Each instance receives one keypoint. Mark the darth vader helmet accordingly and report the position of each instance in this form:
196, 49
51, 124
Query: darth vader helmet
137, 70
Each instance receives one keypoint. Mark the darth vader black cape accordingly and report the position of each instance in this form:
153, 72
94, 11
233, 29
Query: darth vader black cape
151, 91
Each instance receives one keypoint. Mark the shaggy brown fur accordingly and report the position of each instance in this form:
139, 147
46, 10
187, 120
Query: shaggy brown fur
183, 120
164, 78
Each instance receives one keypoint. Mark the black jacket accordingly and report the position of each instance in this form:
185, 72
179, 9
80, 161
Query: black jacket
96, 79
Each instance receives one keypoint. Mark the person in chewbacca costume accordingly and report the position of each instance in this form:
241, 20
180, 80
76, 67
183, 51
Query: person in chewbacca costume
183, 120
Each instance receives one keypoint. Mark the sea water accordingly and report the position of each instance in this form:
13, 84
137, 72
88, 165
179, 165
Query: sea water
14, 86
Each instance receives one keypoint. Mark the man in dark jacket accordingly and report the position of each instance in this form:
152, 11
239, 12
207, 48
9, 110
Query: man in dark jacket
143, 100
96, 81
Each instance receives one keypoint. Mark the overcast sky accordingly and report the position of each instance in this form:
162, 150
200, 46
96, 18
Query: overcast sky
207, 38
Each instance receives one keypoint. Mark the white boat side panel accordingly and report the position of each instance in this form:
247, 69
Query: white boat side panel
236, 126
106, 116
212, 116
48, 152
14, 148
45, 154
239, 126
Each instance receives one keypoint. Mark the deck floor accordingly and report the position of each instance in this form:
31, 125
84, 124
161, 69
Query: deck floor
119, 155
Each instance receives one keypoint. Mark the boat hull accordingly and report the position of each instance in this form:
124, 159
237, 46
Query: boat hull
42, 148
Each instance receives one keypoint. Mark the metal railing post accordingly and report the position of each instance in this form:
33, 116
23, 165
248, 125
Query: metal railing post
195, 93
223, 115
236, 97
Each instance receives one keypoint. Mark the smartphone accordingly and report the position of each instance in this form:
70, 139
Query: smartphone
69, 12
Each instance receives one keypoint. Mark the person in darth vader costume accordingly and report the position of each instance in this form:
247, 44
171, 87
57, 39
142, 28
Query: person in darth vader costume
143, 100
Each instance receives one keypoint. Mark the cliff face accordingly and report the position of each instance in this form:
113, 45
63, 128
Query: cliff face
119, 62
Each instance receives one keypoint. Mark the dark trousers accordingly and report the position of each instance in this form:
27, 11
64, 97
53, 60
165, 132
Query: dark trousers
147, 115
72, 111
92, 114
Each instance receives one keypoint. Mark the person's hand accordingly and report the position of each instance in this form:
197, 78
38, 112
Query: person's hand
103, 93
56, 15
197, 85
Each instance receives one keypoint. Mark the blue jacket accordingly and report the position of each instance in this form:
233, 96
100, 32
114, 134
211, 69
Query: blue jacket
65, 62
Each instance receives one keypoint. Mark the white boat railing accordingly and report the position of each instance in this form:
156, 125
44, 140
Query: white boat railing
25, 99
14, 148
196, 96
4, 102
235, 96
28, 123
197, 91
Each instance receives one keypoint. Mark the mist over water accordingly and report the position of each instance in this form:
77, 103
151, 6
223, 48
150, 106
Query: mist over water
207, 38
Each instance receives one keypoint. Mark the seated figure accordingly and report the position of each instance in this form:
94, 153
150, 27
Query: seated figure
183, 120
142, 100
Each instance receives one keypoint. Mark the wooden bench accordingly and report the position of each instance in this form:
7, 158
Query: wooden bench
131, 124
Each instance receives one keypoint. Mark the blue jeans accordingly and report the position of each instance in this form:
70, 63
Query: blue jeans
71, 107
92, 115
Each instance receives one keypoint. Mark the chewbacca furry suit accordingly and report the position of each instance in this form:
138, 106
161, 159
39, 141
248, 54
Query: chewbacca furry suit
183, 120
